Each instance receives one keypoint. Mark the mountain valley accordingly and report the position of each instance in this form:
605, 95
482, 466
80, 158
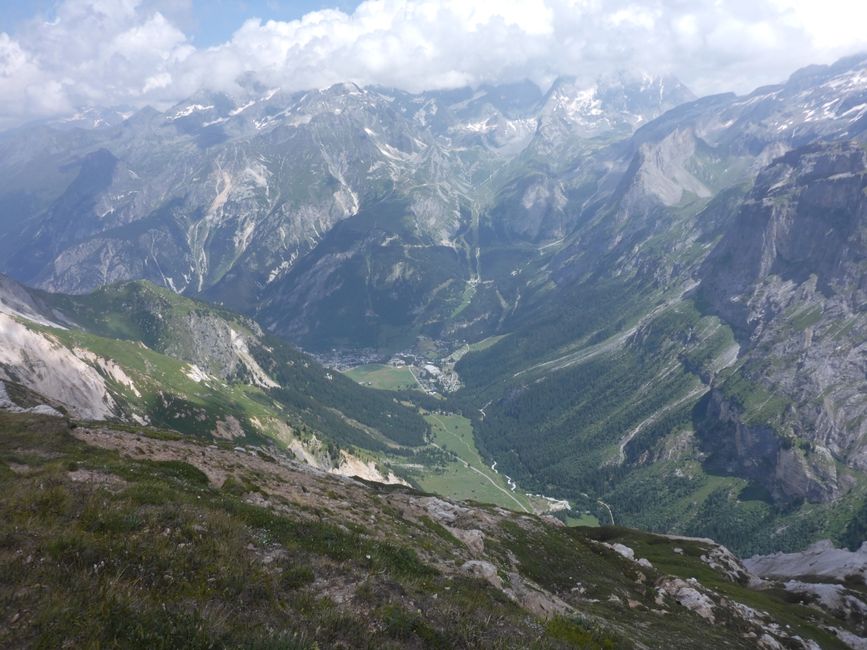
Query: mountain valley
390, 344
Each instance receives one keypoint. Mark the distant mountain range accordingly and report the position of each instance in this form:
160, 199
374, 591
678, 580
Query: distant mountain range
667, 295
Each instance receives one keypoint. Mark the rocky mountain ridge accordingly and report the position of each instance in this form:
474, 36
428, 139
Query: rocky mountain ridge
214, 184
790, 277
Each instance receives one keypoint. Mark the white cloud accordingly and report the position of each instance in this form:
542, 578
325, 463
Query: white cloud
130, 52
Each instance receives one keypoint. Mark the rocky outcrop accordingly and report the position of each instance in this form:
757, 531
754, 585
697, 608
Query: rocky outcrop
821, 560
824, 577
756, 451
43, 364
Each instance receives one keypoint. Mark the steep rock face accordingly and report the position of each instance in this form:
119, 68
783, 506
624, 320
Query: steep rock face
660, 169
757, 452
805, 216
791, 278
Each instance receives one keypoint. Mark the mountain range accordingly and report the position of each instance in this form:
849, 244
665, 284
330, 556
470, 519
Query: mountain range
615, 303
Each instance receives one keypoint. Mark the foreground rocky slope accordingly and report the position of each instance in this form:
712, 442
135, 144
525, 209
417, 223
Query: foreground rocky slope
142, 537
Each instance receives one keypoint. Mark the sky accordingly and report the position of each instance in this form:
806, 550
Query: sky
57, 56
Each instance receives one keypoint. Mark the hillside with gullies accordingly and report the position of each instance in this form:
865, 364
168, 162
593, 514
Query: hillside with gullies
140, 354
140, 537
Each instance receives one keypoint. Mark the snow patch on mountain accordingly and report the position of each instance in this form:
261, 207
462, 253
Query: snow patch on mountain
189, 110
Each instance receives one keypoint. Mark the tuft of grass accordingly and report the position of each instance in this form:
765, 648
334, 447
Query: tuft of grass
407, 626
578, 635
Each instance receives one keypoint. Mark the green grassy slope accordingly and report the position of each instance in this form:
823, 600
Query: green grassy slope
144, 538
141, 313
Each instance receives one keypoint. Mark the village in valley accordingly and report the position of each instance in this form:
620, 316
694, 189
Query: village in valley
429, 366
